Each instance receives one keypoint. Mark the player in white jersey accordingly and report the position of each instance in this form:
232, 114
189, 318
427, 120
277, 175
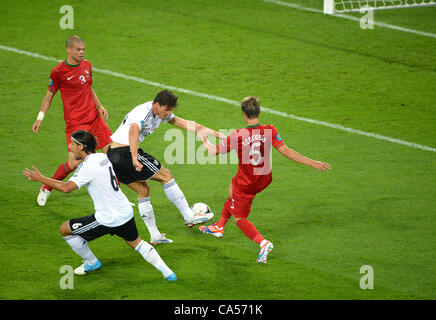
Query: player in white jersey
113, 212
134, 167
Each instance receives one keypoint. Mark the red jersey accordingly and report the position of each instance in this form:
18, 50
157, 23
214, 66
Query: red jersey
74, 83
253, 145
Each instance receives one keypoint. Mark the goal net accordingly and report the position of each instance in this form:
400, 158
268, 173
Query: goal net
341, 6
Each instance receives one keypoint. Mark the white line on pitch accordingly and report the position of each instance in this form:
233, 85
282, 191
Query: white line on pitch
379, 24
228, 101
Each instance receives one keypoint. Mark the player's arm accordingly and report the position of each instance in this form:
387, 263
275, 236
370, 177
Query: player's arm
133, 144
99, 105
45, 105
63, 186
192, 126
299, 158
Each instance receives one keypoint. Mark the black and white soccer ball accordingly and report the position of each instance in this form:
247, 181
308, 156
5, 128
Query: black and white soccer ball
200, 208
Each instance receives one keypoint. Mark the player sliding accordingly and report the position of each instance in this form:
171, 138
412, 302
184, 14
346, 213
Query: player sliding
134, 167
253, 146
113, 212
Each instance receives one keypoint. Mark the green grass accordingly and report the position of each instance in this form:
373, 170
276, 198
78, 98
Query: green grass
375, 207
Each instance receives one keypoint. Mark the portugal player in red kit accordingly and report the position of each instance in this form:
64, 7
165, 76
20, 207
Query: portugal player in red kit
253, 146
82, 108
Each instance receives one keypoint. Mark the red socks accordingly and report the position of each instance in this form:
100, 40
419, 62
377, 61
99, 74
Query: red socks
250, 230
246, 226
225, 214
61, 173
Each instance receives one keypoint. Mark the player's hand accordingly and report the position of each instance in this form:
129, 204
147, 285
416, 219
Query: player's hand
36, 126
103, 113
137, 165
202, 133
32, 175
322, 166
220, 135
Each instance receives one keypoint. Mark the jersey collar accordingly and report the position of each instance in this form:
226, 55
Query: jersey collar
254, 125
71, 65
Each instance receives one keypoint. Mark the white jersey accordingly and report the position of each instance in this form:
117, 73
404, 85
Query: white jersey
112, 208
143, 116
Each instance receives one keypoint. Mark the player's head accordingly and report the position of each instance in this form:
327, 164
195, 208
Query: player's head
251, 107
75, 48
82, 140
166, 98
164, 103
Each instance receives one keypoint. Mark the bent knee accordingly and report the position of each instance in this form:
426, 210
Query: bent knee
164, 175
64, 229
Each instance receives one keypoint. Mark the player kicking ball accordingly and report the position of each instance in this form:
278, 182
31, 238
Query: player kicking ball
113, 212
253, 146
134, 167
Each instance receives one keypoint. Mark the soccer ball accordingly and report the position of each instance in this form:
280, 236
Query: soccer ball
200, 208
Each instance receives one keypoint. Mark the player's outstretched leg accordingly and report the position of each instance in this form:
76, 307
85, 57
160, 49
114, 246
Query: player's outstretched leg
176, 196
251, 232
147, 213
213, 229
80, 246
151, 256
217, 229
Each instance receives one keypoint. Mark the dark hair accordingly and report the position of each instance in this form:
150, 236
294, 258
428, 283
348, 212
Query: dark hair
86, 139
166, 98
251, 106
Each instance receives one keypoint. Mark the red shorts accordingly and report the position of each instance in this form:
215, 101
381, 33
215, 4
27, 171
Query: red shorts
240, 204
98, 128
243, 195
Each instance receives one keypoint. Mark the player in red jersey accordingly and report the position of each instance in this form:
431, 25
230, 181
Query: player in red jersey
253, 145
82, 108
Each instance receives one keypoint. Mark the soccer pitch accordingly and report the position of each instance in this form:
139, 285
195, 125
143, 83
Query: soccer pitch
362, 100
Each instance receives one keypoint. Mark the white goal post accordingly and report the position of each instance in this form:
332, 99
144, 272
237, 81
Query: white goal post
342, 6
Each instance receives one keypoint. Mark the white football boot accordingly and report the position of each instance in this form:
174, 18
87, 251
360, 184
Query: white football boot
161, 240
263, 251
43, 196
199, 218
85, 268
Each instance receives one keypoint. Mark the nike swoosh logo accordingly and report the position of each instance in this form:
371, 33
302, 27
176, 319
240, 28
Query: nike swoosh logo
70, 78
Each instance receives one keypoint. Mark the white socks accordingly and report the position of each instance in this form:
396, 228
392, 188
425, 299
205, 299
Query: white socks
152, 257
80, 246
147, 214
176, 196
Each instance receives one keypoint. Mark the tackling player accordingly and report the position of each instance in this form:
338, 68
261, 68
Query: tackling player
253, 145
134, 167
82, 108
113, 212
